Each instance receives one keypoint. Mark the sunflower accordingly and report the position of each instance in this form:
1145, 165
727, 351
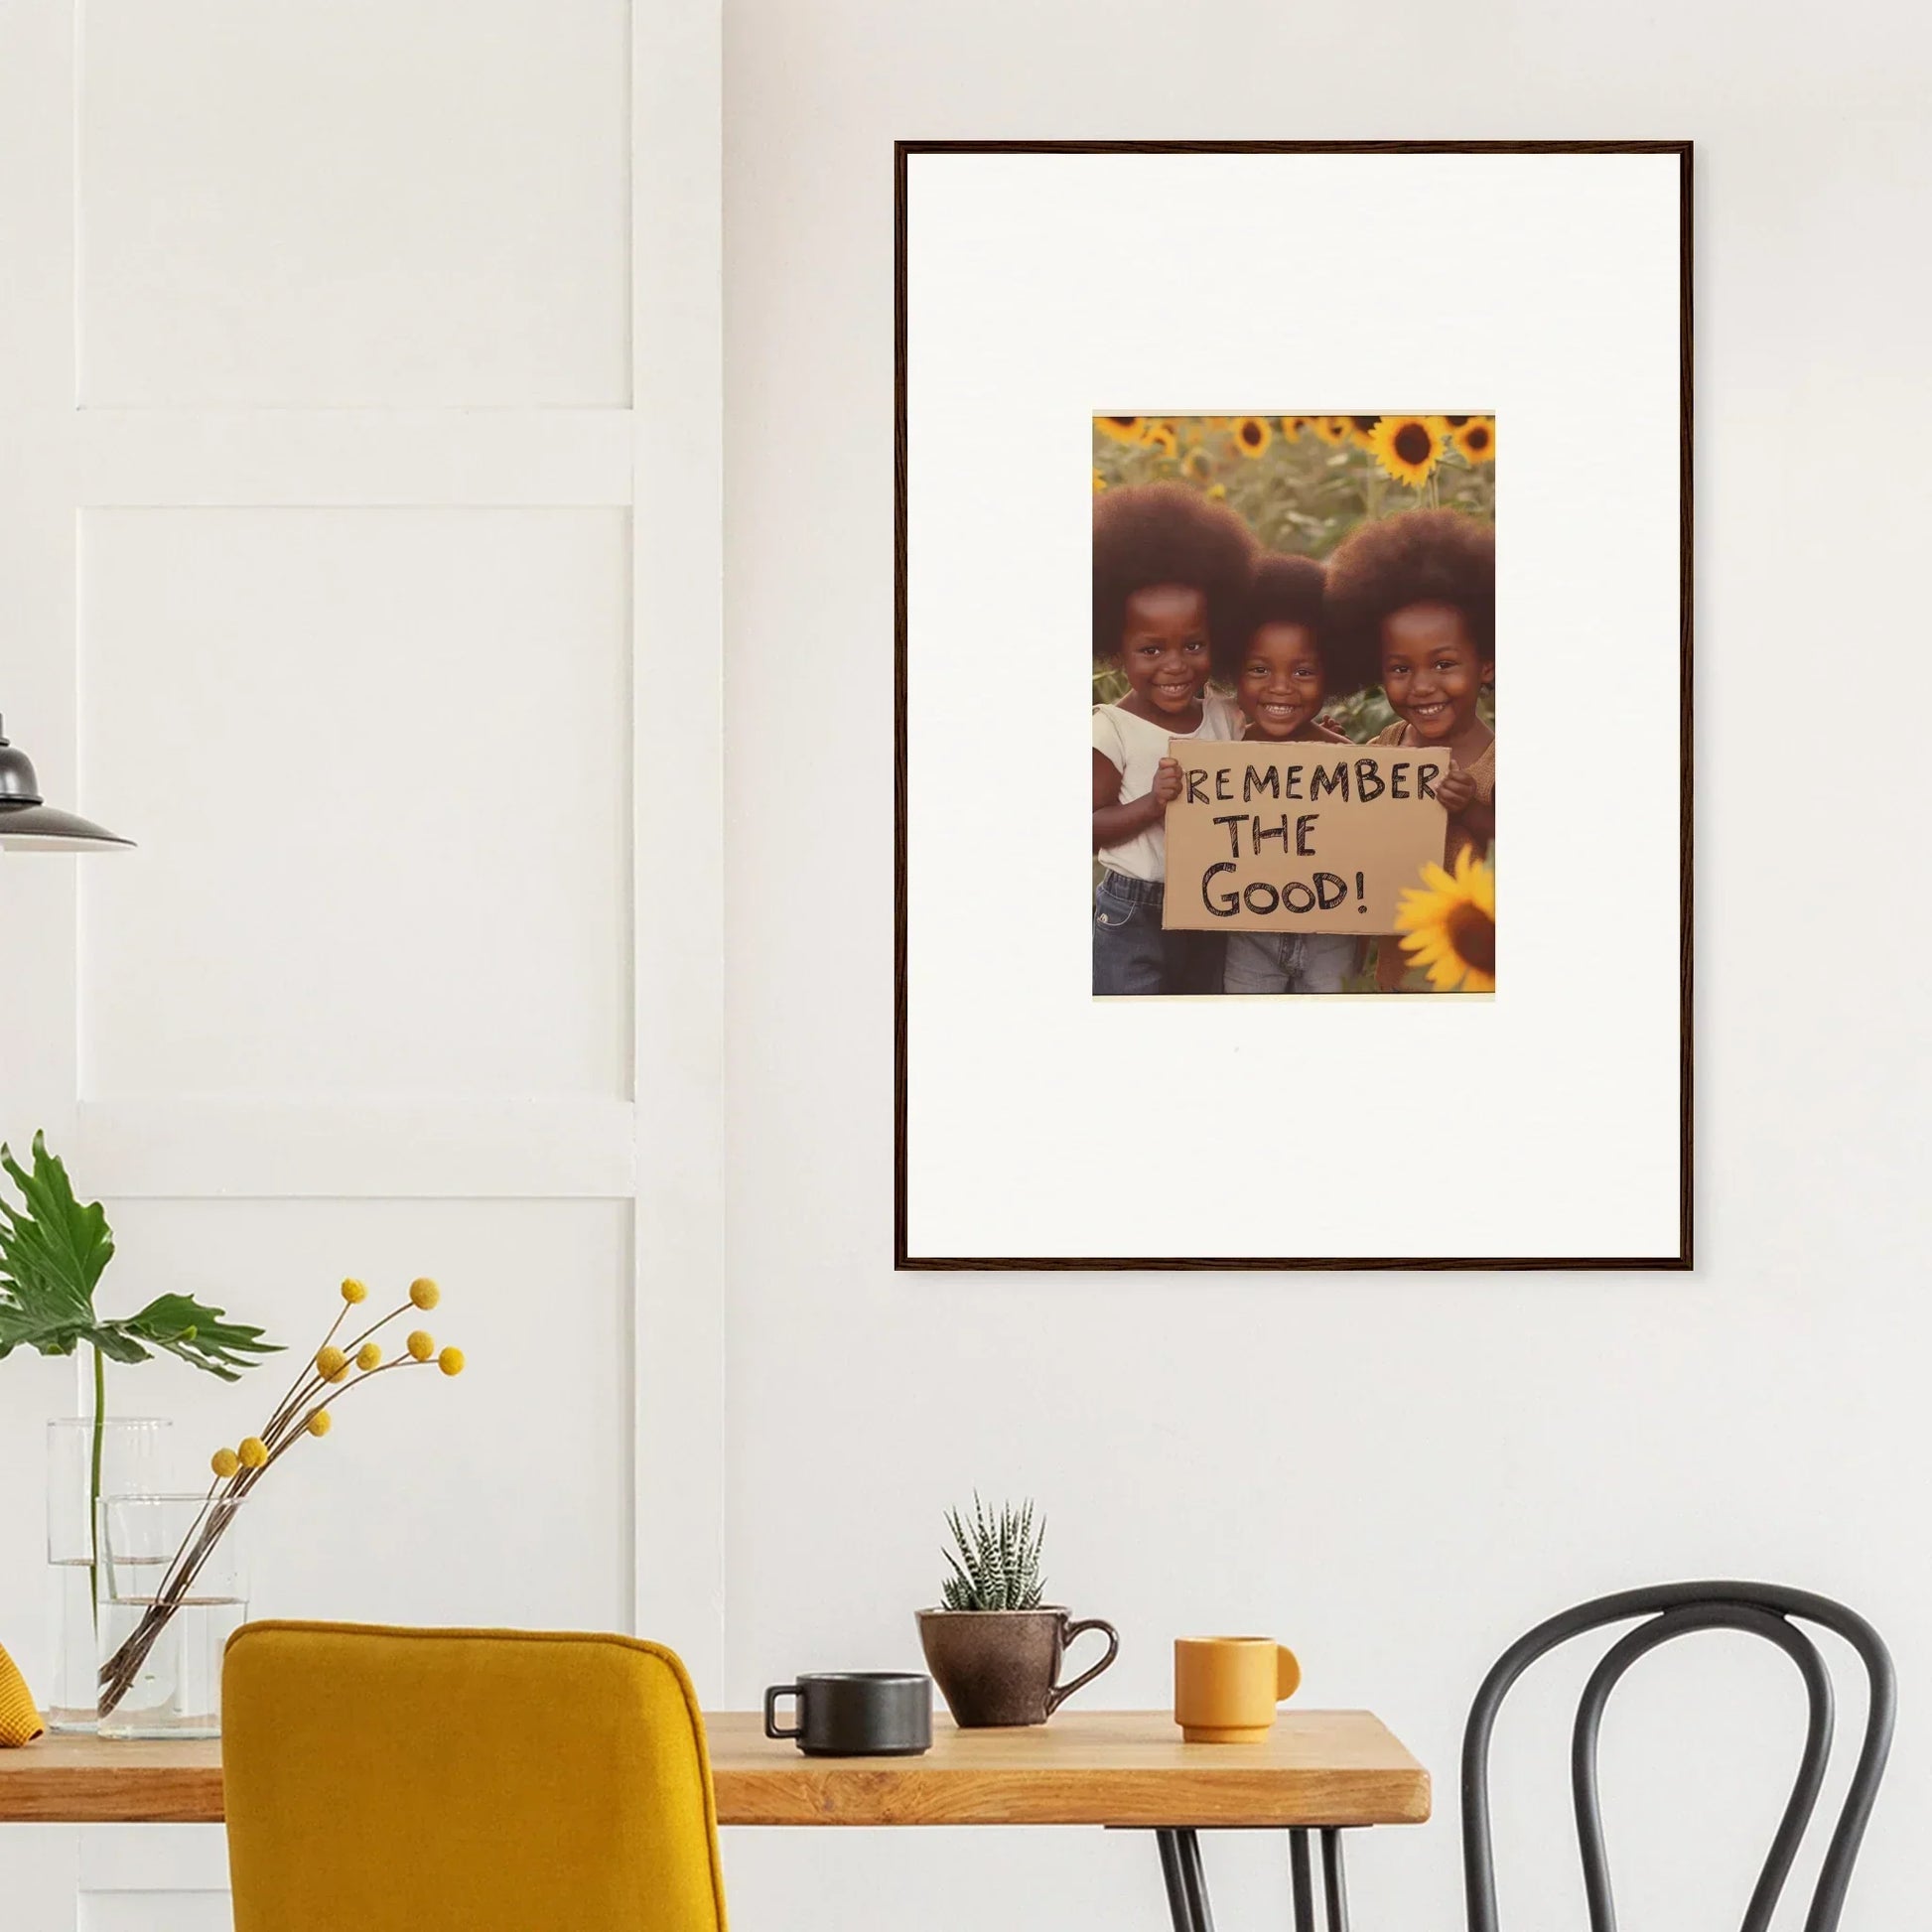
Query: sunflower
1333, 430
1123, 429
1218, 491
1251, 434
1448, 924
1293, 426
1161, 437
1406, 446
1456, 422
1477, 439
1362, 429
1197, 467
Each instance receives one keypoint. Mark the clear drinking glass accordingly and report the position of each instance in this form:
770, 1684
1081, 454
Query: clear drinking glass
131, 1457
174, 1589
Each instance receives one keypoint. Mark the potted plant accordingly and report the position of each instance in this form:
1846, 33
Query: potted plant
53, 1250
993, 1647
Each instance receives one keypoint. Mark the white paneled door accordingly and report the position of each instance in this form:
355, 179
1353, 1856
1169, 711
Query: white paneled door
359, 540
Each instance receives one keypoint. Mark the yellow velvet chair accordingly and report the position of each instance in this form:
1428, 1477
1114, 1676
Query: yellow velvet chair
387, 1780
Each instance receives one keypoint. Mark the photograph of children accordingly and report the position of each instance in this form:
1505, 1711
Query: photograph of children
1289, 581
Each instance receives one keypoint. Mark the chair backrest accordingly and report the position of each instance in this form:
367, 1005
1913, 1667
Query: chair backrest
1761, 1610
483, 1780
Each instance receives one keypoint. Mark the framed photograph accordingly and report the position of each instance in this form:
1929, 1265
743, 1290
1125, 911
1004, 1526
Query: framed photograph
1305, 437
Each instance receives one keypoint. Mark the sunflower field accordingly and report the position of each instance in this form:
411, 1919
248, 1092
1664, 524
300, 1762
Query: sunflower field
1301, 484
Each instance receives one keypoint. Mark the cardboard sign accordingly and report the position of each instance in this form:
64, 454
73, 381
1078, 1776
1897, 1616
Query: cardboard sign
1299, 837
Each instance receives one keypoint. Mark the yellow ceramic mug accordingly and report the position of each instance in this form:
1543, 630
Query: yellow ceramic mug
1226, 1689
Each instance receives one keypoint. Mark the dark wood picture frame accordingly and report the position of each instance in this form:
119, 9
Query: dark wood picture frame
1683, 1259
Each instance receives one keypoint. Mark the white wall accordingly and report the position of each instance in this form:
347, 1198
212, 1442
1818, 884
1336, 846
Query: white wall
339, 571
1396, 1474
341, 299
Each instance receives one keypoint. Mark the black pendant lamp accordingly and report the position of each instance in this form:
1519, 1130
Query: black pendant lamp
28, 824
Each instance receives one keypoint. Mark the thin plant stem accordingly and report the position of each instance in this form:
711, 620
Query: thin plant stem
301, 1374
200, 1517
93, 1483
118, 1675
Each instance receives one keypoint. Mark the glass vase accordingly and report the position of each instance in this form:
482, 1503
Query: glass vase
131, 1449
174, 1590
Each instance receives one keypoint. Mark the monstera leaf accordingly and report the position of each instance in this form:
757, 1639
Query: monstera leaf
52, 1251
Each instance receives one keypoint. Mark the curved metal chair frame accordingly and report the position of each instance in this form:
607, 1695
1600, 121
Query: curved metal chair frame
1760, 1610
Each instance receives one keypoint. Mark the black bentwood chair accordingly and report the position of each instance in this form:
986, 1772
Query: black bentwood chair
1761, 1610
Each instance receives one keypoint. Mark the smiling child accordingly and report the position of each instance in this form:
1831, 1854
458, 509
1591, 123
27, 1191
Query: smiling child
1276, 661
1412, 600
1170, 571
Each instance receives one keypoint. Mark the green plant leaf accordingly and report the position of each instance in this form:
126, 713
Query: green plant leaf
46, 1334
51, 1253
196, 1333
115, 1343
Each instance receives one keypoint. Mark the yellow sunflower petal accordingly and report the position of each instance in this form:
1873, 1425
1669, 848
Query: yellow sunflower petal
1123, 429
1448, 924
1251, 434
1406, 446
1476, 439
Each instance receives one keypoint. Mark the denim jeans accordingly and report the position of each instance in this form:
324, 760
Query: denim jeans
1131, 952
1287, 962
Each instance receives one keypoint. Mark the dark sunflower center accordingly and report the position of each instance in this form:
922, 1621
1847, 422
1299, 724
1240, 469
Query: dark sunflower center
1363, 422
1479, 438
1251, 432
1472, 932
1412, 443
1456, 422
1121, 422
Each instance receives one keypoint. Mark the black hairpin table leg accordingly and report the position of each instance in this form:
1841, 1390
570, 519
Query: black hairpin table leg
1332, 1880
1180, 1867
1303, 1880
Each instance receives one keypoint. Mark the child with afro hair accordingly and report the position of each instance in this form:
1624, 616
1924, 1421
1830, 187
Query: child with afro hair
1277, 658
1170, 571
1413, 601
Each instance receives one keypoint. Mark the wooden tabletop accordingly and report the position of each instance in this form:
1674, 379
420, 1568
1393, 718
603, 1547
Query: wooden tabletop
1107, 1767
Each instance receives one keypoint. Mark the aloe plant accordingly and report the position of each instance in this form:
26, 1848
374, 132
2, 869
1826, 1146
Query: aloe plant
994, 1559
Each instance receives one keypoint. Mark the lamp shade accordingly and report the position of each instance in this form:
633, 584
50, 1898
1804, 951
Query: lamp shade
28, 824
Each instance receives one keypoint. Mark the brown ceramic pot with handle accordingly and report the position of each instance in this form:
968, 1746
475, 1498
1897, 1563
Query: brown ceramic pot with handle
1003, 1667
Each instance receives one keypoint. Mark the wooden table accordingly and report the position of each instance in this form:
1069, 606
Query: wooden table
1319, 1772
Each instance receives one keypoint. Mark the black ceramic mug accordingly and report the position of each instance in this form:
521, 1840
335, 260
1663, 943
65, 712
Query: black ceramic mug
856, 1713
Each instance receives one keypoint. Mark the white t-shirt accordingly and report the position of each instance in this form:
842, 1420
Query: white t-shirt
1135, 748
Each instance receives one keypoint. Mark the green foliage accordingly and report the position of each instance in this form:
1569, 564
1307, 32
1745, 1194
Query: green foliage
995, 1561
53, 1250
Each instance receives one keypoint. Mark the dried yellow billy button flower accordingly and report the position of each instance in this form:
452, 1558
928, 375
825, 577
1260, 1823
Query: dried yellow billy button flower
451, 1361
355, 1291
424, 1293
368, 1356
330, 1364
422, 1344
320, 1422
224, 1462
254, 1452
